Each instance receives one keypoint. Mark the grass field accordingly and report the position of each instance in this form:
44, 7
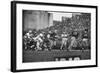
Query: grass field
44, 56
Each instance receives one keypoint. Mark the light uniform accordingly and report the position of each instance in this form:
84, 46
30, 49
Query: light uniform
64, 40
73, 43
39, 40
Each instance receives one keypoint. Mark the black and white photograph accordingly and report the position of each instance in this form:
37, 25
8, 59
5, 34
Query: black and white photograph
48, 36
56, 36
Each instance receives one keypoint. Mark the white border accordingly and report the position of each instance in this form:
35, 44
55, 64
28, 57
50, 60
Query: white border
35, 65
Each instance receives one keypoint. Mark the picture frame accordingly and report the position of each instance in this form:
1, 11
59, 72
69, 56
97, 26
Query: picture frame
22, 19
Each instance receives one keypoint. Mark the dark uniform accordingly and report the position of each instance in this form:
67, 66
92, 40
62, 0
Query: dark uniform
85, 43
75, 34
73, 44
52, 39
52, 35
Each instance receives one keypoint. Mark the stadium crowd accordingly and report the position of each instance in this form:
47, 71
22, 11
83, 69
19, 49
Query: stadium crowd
71, 35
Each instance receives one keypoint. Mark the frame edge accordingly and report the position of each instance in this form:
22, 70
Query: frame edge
13, 36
